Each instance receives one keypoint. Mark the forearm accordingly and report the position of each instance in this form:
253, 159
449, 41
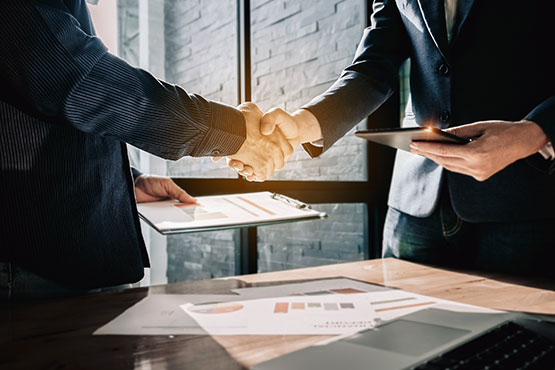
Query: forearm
369, 80
68, 77
117, 100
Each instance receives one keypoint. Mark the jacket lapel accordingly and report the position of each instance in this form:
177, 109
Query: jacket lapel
433, 13
463, 9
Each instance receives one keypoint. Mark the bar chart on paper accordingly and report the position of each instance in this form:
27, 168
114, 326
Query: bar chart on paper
320, 314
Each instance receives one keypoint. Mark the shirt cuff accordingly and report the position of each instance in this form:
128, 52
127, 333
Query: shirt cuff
226, 134
135, 173
547, 151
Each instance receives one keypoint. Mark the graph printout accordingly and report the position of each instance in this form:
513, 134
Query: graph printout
320, 314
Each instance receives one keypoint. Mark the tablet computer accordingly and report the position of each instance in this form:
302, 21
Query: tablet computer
401, 137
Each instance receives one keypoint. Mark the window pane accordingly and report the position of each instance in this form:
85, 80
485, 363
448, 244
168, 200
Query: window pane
299, 48
201, 56
342, 237
199, 256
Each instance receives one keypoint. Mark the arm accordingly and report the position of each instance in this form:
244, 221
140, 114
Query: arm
367, 83
55, 70
362, 88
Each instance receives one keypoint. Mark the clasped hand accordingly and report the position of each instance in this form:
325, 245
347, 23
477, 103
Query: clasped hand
271, 139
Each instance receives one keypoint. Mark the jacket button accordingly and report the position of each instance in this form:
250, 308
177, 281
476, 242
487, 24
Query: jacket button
443, 70
445, 116
216, 153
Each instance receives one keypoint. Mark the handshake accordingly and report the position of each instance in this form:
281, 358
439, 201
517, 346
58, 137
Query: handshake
271, 139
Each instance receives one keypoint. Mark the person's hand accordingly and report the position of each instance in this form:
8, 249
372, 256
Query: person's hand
150, 188
494, 146
263, 154
299, 127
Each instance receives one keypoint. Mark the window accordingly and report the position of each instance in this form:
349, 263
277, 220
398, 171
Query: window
279, 53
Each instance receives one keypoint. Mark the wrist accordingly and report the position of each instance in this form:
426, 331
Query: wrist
537, 137
308, 125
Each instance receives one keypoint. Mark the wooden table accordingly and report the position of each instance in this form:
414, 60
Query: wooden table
56, 334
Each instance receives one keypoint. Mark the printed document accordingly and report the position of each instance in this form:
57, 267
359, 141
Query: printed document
224, 211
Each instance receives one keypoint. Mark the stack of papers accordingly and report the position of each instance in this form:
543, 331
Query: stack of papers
331, 306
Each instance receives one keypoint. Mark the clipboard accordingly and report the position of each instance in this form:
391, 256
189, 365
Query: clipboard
221, 212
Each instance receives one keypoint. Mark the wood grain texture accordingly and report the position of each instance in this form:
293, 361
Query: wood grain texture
56, 334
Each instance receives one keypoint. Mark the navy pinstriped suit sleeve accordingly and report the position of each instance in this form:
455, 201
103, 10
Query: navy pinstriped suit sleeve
63, 72
67, 108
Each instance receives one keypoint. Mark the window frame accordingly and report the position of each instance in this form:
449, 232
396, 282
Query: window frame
372, 192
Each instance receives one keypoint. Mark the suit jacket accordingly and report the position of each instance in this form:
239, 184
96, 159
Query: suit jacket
67, 106
496, 67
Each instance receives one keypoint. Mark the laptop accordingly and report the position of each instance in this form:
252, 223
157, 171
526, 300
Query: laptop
435, 339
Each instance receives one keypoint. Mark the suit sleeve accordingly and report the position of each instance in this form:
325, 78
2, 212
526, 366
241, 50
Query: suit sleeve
59, 72
544, 115
368, 82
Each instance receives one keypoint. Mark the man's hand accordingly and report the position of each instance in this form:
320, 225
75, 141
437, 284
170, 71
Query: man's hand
299, 127
263, 154
150, 188
494, 146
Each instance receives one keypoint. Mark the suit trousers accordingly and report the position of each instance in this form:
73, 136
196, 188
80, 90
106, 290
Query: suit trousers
444, 239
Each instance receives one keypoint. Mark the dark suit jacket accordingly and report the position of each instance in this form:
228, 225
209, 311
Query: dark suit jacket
66, 106
497, 67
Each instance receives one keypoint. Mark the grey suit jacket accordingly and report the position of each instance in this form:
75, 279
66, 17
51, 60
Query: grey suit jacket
497, 67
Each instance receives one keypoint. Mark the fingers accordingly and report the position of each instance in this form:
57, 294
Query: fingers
247, 171
250, 107
440, 149
236, 165
278, 117
459, 165
175, 192
469, 131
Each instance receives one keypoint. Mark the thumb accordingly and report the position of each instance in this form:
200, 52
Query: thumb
278, 117
469, 131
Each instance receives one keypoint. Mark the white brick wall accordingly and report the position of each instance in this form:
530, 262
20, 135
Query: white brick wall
299, 47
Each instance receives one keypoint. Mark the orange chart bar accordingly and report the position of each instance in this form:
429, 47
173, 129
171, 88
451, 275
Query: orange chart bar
257, 206
281, 307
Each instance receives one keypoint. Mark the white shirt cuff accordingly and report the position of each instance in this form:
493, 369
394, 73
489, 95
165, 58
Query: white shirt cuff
320, 143
547, 151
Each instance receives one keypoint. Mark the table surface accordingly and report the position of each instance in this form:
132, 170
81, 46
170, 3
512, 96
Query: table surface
57, 333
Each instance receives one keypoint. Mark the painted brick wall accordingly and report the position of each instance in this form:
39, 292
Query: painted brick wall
298, 49
201, 57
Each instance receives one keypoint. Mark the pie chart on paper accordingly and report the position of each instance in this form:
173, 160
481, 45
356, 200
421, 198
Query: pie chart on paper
217, 308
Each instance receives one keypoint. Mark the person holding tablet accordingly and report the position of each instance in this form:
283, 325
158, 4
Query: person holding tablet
481, 70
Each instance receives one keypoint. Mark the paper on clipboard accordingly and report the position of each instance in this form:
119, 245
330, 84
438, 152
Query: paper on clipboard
224, 211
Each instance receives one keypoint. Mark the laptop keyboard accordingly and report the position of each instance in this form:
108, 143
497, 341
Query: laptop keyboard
507, 347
